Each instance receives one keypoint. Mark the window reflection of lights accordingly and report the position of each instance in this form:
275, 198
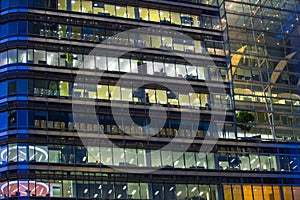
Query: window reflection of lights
109, 192
85, 191
201, 193
295, 167
125, 187
194, 189
133, 192
22, 150
156, 193
95, 195
252, 161
39, 188
100, 187
172, 188
179, 193
119, 196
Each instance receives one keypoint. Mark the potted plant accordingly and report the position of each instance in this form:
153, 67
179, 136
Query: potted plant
244, 117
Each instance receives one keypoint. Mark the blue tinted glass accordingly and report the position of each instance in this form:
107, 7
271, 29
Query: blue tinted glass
22, 28
23, 119
3, 89
22, 86
4, 4
3, 120
4, 30
12, 28
13, 3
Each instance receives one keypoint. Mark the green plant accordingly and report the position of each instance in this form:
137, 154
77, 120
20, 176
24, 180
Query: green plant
244, 118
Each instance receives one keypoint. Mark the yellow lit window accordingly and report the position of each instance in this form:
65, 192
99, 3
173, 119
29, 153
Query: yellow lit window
76, 5
87, 6
110, 9
144, 14
287, 192
62, 5
257, 192
161, 96
130, 12
115, 92
247, 189
227, 192
164, 16
102, 91
154, 16
121, 11
151, 94
184, 100
175, 18
194, 99
64, 89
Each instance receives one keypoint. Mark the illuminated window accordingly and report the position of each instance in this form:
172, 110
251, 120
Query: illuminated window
175, 18
76, 5
155, 158
124, 65
165, 17
110, 9
161, 96
64, 89
102, 92
257, 192
126, 94
154, 16
87, 6
227, 192
248, 195
237, 192
101, 63
130, 12
121, 11
62, 4
156, 41
144, 15
115, 92
106, 155
194, 99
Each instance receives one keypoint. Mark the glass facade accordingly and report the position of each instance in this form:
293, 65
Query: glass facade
252, 47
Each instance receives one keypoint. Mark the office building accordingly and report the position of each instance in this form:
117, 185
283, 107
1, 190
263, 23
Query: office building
216, 74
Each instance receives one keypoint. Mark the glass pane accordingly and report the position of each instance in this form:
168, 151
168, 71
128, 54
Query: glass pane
257, 192
247, 189
227, 192
102, 92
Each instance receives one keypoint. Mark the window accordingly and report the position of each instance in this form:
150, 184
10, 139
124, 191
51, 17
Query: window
101, 63
154, 16
22, 56
121, 11
124, 65
40, 57
52, 58
64, 89
126, 94
103, 92
87, 6
3, 58
12, 56
76, 5
131, 12
143, 13
106, 155
155, 158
